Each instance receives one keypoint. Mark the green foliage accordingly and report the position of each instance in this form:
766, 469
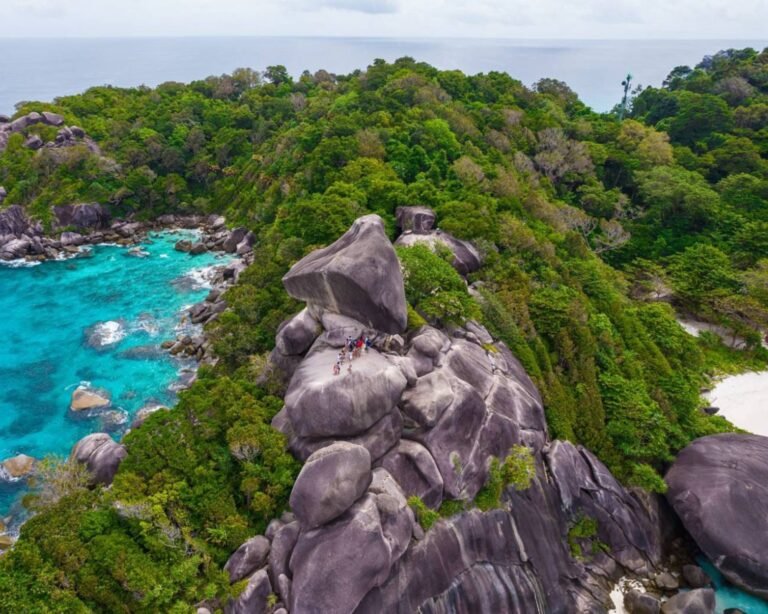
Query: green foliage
517, 470
434, 288
582, 535
425, 516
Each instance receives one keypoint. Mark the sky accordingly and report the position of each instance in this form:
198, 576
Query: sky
574, 19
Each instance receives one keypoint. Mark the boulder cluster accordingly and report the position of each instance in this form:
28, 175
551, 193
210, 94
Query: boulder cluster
421, 414
67, 136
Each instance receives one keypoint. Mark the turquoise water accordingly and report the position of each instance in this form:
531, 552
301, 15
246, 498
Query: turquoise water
728, 596
47, 316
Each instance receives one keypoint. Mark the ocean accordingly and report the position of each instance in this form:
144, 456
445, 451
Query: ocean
41, 69
98, 320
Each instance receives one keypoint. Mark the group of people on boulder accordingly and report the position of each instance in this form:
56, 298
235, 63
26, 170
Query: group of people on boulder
352, 349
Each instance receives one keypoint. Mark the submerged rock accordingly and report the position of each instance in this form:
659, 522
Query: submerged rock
358, 276
717, 486
85, 398
19, 466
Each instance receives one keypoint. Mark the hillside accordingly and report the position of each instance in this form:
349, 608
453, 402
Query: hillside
578, 220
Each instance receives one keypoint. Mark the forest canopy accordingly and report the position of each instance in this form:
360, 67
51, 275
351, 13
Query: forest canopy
595, 231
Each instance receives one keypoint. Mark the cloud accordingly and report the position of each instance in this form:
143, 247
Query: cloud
371, 7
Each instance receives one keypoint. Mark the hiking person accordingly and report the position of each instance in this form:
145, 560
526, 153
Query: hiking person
337, 368
367, 343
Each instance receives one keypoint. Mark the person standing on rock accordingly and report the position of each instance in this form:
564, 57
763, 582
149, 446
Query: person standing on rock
337, 368
367, 343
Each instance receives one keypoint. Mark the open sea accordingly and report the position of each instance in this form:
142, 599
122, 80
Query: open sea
41, 68
98, 319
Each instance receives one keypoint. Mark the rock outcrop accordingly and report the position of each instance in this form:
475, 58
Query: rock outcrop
422, 415
101, 455
17, 467
67, 136
416, 225
418, 220
698, 601
719, 488
358, 276
83, 217
85, 398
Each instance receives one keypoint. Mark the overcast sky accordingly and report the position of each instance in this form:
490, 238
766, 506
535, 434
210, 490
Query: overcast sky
731, 19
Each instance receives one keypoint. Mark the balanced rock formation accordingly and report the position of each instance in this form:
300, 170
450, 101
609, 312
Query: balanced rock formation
719, 488
358, 276
422, 415
101, 455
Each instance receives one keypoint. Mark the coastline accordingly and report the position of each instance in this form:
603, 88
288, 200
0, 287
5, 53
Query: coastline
190, 348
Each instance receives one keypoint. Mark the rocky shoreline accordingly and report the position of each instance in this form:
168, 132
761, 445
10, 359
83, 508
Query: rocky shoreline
88, 225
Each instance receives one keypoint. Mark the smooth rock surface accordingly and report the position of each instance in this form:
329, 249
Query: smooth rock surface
335, 565
18, 466
296, 335
329, 483
84, 399
247, 558
101, 455
719, 488
359, 276
320, 404
699, 601
416, 219
253, 600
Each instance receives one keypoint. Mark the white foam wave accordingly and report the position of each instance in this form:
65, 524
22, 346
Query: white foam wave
107, 333
19, 263
199, 279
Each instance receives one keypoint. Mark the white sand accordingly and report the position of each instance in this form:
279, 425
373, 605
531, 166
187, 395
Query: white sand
743, 399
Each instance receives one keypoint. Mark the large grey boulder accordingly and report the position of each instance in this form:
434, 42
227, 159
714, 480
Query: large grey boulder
247, 558
15, 248
282, 545
52, 119
359, 276
320, 404
334, 566
699, 601
415, 470
419, 220
295, 336
428, 399
329, 483
719, 488
82, 216
14, 221
254, 599
637, 602
234, 239
101, 455
378, 439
